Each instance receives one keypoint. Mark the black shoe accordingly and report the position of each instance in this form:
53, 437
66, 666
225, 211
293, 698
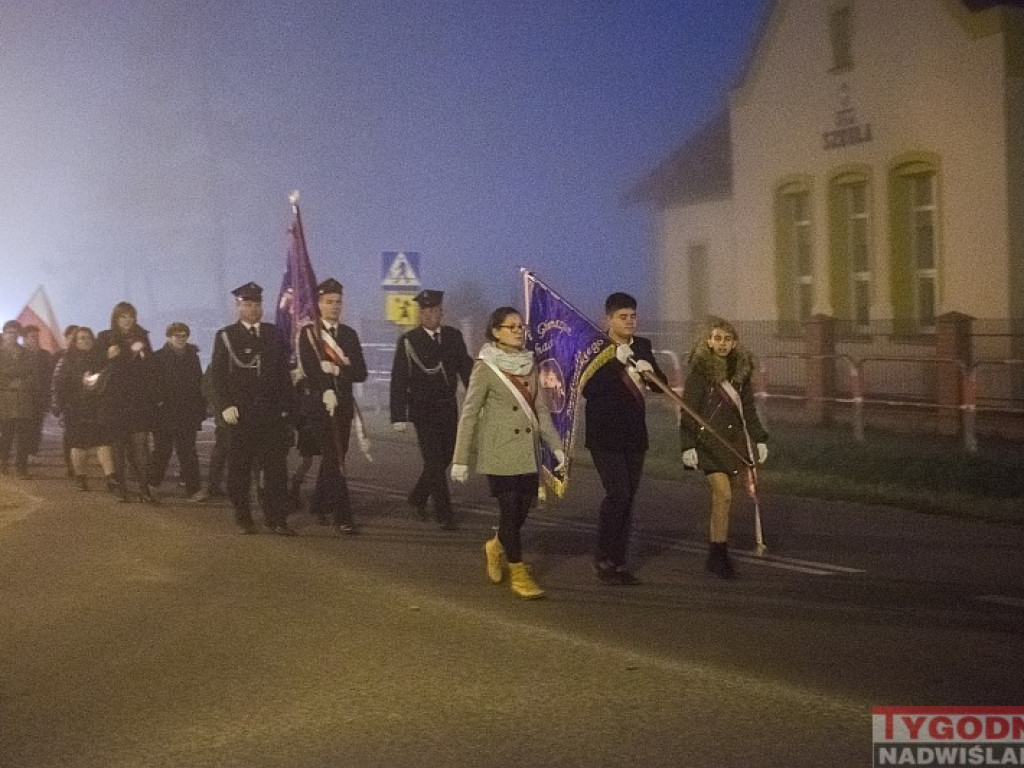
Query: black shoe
247, 529
606, 572
346, 529
284, 530
149, 497
421, 509
626, 577
81, 483
718, 561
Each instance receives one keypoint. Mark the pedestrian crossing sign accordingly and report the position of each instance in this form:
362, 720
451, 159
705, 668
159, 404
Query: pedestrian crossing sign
400, 269
400, 309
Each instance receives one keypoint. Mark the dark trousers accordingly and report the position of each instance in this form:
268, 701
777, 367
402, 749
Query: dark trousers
181, 441
620, 473
330, 496
264, 446
16, 433
218, 458
436, 438
131, 451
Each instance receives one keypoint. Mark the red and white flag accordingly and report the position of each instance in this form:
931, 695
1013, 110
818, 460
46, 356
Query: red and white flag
39, 312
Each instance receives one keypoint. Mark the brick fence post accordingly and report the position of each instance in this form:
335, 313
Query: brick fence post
820, 348
953, 341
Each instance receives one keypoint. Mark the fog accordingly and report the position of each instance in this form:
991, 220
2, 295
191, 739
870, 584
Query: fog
149, 147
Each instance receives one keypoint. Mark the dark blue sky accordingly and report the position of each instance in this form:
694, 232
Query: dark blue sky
149, 148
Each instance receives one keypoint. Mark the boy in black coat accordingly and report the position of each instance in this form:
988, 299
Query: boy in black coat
617, 434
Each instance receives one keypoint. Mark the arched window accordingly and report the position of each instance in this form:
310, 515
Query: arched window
850, 258
794, 253
914, 232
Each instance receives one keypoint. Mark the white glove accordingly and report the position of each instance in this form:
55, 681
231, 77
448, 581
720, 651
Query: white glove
329, 368
690, 458
399, 426
560, 461
623, 352
230, 415
330, 399
762, 453
460, 473
642, 366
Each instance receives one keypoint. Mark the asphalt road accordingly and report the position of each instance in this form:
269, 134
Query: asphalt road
133, 635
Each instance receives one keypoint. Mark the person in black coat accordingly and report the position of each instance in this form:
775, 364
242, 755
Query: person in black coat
718, 389
429, 363
253, 389
87, 409
124, 358
332, 360
43, 362
616, 434
180, 409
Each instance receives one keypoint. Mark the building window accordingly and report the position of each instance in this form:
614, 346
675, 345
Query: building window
922, 246
794, 253
840, 29
915, 244
850, 246
697, 260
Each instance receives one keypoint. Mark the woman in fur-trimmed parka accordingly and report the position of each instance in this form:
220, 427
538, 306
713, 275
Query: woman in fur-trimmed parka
718, 389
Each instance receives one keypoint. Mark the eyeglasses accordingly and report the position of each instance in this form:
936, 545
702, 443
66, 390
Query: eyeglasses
519, 327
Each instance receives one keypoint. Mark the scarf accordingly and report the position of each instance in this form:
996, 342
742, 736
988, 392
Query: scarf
518, 363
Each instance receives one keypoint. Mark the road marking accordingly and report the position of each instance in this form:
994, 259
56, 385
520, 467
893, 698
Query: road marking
16, 504
1012, 602
810, 567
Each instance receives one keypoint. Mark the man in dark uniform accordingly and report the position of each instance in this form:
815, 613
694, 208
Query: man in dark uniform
617, 434
332, 361
252, 386
429, 362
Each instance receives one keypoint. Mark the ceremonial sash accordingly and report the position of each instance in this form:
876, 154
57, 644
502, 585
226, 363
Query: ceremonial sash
525, 404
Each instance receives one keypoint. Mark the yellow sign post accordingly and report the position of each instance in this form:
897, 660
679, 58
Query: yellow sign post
400, 309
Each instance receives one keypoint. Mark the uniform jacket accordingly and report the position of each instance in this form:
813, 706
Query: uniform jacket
703, 393
252, 374
128, 377
178, 378
616, 413
310, 357
494, 425
425, 375
18, 382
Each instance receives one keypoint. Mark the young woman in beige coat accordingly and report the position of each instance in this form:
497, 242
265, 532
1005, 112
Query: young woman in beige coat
503, 422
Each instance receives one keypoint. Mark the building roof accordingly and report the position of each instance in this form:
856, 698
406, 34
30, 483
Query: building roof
701, 169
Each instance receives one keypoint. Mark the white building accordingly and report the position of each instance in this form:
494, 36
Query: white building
868, 166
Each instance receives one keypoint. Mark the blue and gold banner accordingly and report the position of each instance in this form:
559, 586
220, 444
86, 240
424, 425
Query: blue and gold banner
568, 348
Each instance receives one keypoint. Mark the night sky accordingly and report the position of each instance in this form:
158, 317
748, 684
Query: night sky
148, 148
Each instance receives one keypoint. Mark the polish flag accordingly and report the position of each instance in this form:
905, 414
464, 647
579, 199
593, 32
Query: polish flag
39, 312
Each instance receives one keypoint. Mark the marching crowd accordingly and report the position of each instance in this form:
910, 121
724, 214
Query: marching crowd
133, 407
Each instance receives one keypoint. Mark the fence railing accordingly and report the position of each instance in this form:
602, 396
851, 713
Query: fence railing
964, 399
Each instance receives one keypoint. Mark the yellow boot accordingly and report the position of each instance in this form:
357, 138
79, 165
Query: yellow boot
522, 582
494, 552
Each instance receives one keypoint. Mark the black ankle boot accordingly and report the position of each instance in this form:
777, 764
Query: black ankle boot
718, 561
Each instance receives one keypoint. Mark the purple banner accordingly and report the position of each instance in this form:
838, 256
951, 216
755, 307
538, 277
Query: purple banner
297, 301
568, 348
